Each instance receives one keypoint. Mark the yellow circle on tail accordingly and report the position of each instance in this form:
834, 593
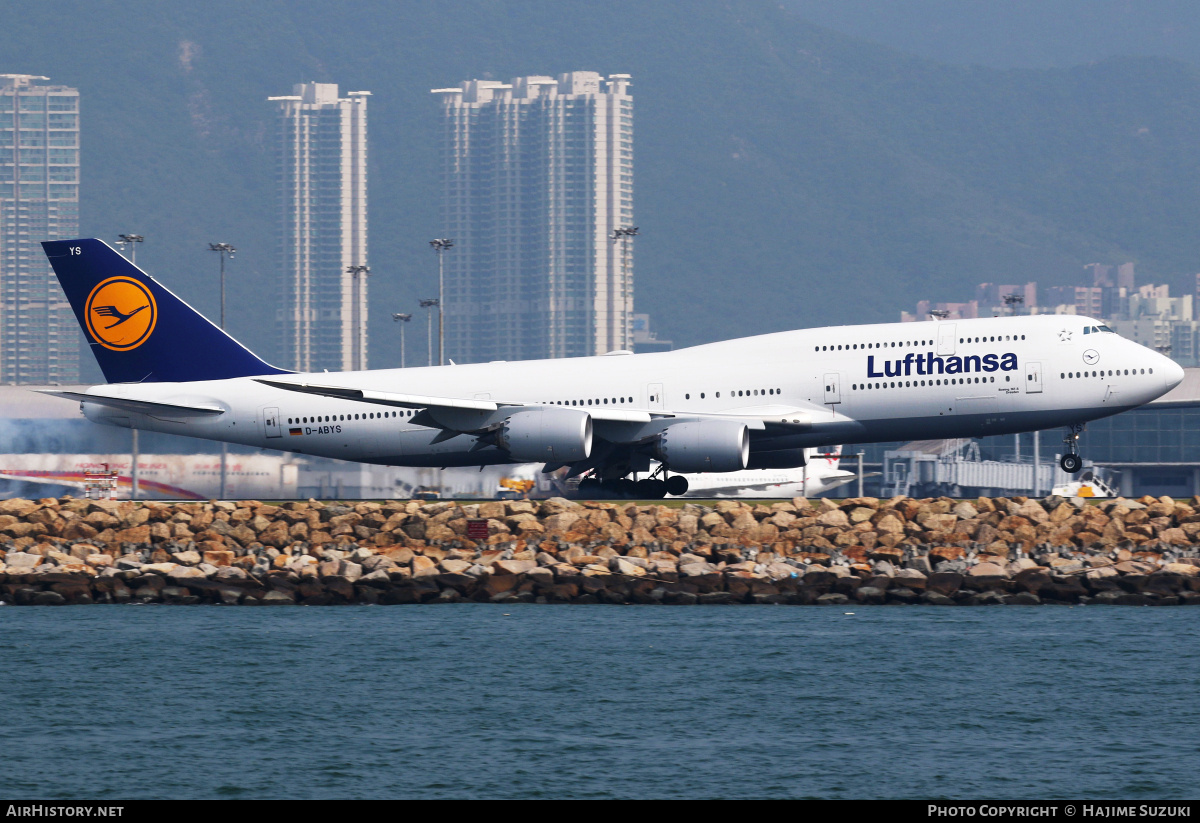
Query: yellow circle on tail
120, 313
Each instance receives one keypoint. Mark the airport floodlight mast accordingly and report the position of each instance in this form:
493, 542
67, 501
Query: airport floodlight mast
440, 245
429, 303
624, 234
130, 240
400, 317
939, 314
224, 249
356, 318
1011, 301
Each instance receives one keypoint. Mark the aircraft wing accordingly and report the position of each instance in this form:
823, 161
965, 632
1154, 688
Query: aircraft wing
451, 414
152, 408
407, 401
837, 479
463, 415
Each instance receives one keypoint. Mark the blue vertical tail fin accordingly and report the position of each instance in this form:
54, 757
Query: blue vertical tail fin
139, 331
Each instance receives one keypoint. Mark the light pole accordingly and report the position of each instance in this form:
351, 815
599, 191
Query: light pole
440, 245
1037, 464
624, 234
1011, 301
131, 240
357, 319
224, 249
429, 303
403, 320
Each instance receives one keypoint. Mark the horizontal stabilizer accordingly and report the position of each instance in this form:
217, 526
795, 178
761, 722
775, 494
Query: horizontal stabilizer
138, 406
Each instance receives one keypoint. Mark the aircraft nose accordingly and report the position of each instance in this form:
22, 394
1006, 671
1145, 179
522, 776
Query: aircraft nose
1172, 373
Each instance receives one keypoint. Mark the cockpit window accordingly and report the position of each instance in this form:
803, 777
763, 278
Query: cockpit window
1087, 329
1107, 329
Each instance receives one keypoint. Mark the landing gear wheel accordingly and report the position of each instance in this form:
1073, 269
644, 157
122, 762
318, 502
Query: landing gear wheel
608, 490
677, 485
626, 488
1071, 463
651, 489
589, 488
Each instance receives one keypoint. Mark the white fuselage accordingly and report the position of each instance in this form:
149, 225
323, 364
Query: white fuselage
820, 474
858, 384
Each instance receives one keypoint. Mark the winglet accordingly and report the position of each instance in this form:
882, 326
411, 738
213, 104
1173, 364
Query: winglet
138, 330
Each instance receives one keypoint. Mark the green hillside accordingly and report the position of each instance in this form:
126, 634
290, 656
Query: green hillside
786, 175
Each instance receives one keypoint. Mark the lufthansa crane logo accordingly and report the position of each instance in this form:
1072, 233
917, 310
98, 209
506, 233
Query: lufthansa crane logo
120, 313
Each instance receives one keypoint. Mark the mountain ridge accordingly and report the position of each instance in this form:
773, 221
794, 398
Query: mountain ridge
786, 175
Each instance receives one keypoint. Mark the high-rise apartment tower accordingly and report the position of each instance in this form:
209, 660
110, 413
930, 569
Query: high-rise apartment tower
322, 180
536, 176
39, 200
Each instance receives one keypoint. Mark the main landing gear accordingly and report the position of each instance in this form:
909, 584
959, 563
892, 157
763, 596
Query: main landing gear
1071, 462
655, 487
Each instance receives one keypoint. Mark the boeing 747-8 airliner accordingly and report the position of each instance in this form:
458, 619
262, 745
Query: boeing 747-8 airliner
754, 402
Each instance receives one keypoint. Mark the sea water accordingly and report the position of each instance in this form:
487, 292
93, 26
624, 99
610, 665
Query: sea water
536, 701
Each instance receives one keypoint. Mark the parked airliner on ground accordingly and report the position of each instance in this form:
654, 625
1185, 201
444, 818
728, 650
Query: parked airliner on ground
754, 402
819, 474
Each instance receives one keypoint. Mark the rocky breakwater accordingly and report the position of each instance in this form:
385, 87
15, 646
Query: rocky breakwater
900, 551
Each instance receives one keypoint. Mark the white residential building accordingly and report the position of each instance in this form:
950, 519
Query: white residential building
537, 174
322, 183
39, 200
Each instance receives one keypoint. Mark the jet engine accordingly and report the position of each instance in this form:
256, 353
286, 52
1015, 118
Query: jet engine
550, 435
704, 446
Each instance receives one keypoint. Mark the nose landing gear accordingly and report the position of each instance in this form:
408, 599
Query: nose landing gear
1071, 462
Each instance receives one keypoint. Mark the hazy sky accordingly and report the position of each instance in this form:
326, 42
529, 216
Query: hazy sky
1017, 33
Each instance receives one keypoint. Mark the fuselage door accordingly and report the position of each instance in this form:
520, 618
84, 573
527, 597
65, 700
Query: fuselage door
833, 388
271, 422
1033, 378
945, 339
654, 395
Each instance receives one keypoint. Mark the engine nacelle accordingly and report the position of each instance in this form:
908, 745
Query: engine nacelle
704, 446
106, 415
551, 435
